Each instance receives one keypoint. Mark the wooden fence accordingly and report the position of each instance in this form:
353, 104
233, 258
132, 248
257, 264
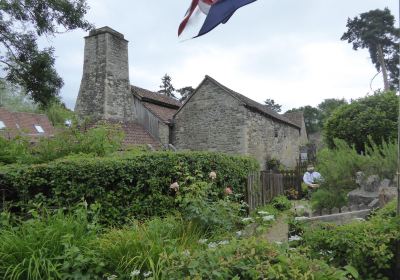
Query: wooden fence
262, 187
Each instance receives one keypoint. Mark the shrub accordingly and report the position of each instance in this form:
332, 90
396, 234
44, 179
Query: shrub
281, 203
97, 141
141, 247
127, 188
49, 247
247, 259
368, 246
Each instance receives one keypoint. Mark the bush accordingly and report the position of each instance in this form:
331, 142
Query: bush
141, 247
131, 187
338, 167
101, 140
247, 259
368, 246
49, 247
281, 203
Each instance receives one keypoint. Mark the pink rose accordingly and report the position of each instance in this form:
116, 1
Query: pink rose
228, 190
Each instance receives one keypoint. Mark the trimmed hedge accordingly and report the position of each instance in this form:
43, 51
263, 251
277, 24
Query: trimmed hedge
135, 186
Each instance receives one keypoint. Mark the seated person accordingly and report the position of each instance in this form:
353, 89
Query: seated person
311, 177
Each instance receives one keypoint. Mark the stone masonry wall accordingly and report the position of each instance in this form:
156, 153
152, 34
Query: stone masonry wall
211, 120
267, 139
105, 89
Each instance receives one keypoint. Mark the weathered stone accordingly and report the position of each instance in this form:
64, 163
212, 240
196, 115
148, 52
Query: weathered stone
362, 206
214, 119
105, 90
353, 207
335, 210
374, 203
344, 209
325, 211
316, 213
386, 194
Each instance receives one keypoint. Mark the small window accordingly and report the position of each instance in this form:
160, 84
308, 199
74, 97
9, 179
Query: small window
39, 128
2, 125
276, 131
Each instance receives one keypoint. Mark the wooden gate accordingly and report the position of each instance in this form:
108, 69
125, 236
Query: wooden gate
262, 187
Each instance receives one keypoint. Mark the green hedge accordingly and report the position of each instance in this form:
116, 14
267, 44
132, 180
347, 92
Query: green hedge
127, 187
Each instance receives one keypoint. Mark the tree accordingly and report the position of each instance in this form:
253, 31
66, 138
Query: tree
270, 103
373, 117
14, 99
328, 106
185, 93
166, 86
375, 31
22, 23
312, 118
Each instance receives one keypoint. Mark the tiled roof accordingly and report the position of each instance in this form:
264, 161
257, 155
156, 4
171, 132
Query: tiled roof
163, 113
134, 133
295, 117
254, 105
24, 124
154, 97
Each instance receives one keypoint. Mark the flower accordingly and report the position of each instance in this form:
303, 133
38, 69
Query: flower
135, 273
228, 190
223, 242
112, 277
248, 219
239, 233
212, 175
301, 218
203, 241
186, 253
174, 186
263, 213
212, 245
147, 274
278, 242
268, 218
294, 238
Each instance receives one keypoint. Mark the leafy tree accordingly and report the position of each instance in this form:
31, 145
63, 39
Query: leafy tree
185, 93
373, 117
22, 22
375, 31
166, 86
270, 103
14, 99
312, 118
328, 106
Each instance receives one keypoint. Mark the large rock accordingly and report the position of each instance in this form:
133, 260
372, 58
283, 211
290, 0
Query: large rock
370, 189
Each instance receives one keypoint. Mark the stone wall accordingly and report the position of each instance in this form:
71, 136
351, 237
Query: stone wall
211, 120
105, 90
267, 139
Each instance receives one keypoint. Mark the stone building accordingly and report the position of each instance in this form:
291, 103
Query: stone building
214, 118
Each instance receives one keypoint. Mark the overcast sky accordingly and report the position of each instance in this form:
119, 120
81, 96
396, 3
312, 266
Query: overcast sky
287, 50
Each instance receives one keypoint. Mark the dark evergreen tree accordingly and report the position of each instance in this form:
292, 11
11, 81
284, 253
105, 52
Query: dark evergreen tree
270, 103
166, 86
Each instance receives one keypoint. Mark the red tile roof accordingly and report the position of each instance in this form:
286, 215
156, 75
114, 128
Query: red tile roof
154, 97
24, 124
163, 113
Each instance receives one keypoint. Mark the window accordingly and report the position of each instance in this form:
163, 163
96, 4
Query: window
2, 125
276, 131
39, 128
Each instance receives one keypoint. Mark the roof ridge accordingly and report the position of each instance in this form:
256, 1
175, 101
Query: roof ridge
247, 101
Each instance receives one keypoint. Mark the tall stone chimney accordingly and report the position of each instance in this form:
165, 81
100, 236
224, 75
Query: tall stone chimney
105, 89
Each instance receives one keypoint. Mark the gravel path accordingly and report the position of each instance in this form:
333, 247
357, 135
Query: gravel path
279, 230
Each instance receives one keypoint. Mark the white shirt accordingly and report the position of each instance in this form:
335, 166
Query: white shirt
311, 178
